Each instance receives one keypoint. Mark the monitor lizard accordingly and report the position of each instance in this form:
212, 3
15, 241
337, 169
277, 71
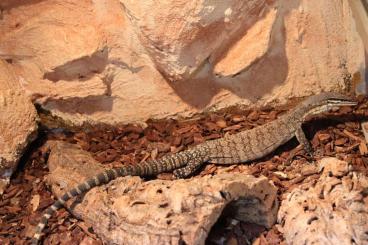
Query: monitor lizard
244, 146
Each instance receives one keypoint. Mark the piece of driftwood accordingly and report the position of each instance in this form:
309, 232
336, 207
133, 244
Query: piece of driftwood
132, 211
334, 210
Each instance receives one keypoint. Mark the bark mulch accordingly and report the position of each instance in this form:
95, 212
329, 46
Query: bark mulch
24, 201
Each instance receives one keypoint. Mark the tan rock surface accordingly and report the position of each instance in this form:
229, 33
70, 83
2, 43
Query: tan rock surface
127, 61
333, 211
130, 211
18, 126
256, 41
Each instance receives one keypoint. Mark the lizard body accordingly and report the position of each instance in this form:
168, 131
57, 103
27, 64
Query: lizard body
245, 146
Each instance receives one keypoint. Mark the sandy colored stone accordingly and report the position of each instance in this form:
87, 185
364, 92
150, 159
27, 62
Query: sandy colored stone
235, 60
131, 211
18, 123
127, 61
332, 211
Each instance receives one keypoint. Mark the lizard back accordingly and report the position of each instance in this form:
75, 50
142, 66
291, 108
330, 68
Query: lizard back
251, 144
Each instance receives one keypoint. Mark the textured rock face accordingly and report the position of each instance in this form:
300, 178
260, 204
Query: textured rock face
332, 211
125, 61
181, 35
130, 211
17, 123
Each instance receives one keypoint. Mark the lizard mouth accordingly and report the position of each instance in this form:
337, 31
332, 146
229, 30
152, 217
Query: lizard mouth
336, 105
339, 103
348, 103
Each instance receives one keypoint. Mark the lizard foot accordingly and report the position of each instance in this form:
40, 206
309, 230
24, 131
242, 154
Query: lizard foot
187, 170
300, 151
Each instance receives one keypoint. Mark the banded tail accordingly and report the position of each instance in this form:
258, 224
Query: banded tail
164, 164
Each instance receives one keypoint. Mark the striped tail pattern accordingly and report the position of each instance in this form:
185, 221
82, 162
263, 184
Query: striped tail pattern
165, 164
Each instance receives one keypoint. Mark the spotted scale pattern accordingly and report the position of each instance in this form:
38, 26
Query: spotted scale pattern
251, 144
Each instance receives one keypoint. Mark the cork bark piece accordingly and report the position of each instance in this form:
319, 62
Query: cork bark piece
334, 210
132, 211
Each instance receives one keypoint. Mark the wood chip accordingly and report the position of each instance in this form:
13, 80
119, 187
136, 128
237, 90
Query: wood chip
198, 138
297, 179
35, 201
154, 153
234, 127
184, 130
176, 141
221, 123
324, 137
341, 141
146, 156
211, 126
281, 175
209, 169
253, 116
365, 130
363, 148
352, 136
238, 118
166, 176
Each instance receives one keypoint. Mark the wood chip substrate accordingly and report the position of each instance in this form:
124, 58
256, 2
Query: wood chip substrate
240, 215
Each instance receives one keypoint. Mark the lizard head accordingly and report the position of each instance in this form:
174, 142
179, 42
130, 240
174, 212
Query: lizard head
325, 102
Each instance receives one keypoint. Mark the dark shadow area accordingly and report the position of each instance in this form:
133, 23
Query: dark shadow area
365, 4
228, 227
195, 92
34, 146
86, 105
83, 69
80, 69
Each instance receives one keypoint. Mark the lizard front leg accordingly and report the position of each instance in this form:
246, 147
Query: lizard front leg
304, 144
303, 141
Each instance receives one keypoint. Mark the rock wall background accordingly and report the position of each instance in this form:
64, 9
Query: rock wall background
127, 61
18, 123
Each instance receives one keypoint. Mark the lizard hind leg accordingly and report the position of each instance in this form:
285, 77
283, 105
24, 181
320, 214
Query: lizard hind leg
189, 169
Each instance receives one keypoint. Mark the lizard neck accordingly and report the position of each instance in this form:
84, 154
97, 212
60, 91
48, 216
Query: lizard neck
302, 113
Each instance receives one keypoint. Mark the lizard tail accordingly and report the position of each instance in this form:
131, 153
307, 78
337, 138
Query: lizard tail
100, 179
166, 163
